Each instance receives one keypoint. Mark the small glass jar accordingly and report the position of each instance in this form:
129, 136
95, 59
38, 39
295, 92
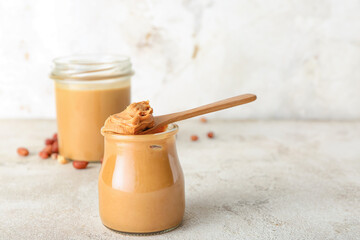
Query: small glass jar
141, 183
88, 89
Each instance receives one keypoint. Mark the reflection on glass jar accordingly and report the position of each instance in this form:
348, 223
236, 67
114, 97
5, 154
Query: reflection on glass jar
88, 89
141, 183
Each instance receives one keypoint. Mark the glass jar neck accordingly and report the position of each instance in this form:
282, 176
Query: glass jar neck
167, 134
91, 67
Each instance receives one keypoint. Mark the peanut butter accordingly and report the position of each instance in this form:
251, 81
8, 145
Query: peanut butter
137, 117
141, 183
81, 114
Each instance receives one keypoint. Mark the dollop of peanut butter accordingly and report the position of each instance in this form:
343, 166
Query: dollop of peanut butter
136, 118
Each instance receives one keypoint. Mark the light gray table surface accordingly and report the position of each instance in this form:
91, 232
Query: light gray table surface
254, 180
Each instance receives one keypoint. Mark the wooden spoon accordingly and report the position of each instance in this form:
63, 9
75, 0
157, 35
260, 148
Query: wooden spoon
163, 120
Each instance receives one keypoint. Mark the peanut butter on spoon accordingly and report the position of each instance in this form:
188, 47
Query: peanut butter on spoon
136, 118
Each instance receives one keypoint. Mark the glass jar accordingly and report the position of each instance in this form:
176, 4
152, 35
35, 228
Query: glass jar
141, 183
88, 88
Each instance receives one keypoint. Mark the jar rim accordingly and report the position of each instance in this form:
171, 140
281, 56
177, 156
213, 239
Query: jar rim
171, 130
91, 59
91, 67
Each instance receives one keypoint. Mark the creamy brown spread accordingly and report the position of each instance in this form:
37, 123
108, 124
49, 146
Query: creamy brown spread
79, 123
136, 118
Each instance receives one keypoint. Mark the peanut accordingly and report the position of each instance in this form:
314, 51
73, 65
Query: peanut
44, 155
55, 147
54, 156
49, 141
22, 151
194, 138
79, 164
62, 159
47, 149
210, 135
203, 120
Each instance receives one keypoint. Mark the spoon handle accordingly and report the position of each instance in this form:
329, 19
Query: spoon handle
212, 107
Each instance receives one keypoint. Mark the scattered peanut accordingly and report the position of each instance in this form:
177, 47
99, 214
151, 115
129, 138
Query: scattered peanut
79, 164
210, 134
62, 159
44, 155
51, 148
49, 141
55, 147
22, 151
203, 120
194, 138
47, 149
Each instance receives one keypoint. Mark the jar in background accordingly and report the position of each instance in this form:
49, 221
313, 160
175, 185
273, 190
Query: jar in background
88, 89
141, 183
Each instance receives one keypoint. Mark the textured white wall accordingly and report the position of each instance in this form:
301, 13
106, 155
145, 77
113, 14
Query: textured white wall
302, 58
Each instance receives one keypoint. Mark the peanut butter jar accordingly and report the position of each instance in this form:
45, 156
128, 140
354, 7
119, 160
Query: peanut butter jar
141, 183
88, 88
